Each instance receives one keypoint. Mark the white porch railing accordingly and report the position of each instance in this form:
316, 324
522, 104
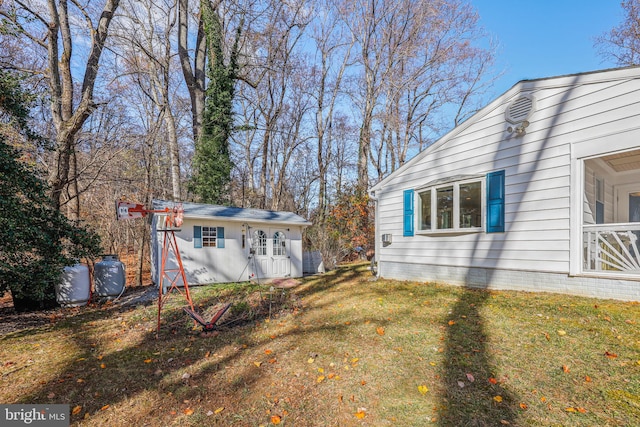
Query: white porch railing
612, 248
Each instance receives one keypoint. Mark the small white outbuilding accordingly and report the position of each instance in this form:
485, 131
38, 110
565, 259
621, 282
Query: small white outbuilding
220, 244
538, 191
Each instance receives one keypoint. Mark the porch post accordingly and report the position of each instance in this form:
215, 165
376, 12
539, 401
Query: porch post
576, 253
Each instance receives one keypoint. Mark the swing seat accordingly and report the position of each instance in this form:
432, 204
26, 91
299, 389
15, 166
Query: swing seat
207, 326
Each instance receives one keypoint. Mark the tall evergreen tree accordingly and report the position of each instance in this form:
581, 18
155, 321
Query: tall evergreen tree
37, 241
212, 159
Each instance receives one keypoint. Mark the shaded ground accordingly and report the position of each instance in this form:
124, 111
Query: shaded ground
337, 350
11, 321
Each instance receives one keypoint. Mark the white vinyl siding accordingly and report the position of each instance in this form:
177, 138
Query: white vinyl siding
568, 113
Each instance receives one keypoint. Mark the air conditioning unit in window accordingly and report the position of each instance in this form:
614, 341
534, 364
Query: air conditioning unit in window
386, 239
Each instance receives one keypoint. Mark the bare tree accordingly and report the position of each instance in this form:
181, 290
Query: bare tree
144, 39
435, 67
415, 57
622, 43
56, 29
333, 50
272, 66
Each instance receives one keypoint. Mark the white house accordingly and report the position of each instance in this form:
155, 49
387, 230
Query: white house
538, 191
219, 244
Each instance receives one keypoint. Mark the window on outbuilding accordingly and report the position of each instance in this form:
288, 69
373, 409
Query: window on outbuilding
260, 242
279, 244
208, 237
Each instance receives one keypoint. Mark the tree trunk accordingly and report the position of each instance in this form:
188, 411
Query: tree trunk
67, 118
194, 76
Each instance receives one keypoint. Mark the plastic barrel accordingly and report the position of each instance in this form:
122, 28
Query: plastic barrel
74, 287
109, 277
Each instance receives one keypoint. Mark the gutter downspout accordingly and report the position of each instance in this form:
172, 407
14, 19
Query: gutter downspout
376, 243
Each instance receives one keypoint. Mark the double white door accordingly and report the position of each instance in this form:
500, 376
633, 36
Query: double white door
270, 252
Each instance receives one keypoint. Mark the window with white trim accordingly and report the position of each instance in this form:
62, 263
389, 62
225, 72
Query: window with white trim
209, 236
279, 244
599, 184
451, 206
260, 242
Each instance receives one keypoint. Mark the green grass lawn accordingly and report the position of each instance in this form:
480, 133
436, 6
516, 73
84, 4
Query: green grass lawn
338, 350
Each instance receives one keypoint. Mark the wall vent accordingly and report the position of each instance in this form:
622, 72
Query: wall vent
520, 109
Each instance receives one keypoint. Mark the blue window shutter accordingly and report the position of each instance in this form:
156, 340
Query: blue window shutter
408, 213
197, 236
495, 202
220, 237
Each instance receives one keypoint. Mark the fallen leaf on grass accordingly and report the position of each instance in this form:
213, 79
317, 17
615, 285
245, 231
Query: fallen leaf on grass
148, 360
320, 379
452, 322
217, 411
565, 369
562, 333
267, 351
610, 355
105, 407
493, 380
587, 379
423, 389
461, 384
360, 414
76, 410
523, 406
380, 330
470, 377
257, 364
497, 398
103, 366
188, 411
275, 419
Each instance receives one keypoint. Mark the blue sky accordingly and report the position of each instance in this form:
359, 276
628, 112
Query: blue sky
545, 38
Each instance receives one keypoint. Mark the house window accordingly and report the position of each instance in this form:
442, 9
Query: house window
279, 244
425, 211
599, 200
452, 206
471, 205
444, 208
